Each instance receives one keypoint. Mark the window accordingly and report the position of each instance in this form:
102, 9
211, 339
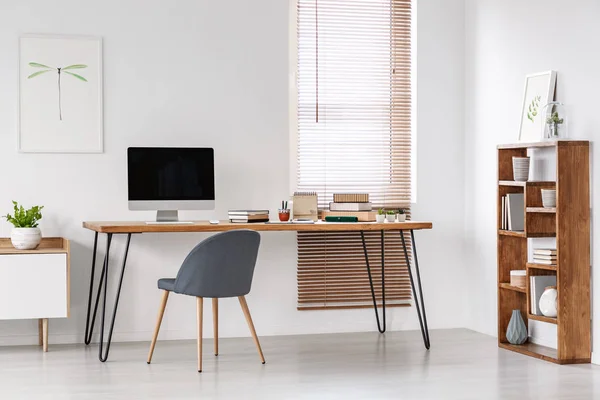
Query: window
353, 135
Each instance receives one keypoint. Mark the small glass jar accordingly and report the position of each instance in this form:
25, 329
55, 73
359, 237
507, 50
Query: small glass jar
554, 121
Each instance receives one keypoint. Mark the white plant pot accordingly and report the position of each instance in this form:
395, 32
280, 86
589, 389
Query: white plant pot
26, 238
401, 218
390, 218
380, 218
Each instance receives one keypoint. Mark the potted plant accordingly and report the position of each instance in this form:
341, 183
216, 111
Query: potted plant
391, 216
401, 215
380, 217
25, 235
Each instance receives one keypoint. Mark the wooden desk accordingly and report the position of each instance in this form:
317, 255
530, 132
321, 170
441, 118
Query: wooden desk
128, 228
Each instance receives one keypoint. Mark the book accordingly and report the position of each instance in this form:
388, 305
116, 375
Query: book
545, 252
516, 211
248, 212
246, 220
363, 216
333, 206
351, 197
539, 257
503, 213
545, 262
538, 284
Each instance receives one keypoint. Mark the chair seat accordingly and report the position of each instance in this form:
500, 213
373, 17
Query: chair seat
166, 284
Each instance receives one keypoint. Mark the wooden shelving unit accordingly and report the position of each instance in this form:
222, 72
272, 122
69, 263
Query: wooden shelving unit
569, 222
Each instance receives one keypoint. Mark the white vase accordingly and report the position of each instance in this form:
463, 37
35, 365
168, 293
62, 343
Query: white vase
380, 218
548, 302
26, 238
390, 217
401, 218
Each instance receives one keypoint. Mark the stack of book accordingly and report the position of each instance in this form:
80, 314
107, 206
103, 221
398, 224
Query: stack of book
513, 212
544, 256
350, 205
246, 216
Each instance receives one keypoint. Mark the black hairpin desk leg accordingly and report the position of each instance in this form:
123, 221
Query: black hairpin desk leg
103, 287
379, 324
421, 307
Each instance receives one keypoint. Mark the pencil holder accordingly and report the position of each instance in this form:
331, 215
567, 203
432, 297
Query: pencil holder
284, 215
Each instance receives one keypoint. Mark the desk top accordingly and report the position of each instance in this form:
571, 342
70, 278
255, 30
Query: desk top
205, 226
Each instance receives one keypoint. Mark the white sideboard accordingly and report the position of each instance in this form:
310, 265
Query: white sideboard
35, 284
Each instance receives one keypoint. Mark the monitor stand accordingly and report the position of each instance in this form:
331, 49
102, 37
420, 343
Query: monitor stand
167, 216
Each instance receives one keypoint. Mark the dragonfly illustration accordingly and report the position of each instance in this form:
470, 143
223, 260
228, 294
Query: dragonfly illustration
64, 70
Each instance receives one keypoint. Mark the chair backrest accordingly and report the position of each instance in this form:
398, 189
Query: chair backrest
220, 266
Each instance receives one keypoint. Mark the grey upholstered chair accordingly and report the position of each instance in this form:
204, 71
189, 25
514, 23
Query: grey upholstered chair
220, 266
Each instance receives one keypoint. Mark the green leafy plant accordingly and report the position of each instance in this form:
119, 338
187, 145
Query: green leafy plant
401, 211
59, 70
554, 119
25, 218
533, 108
381, 211
391, 212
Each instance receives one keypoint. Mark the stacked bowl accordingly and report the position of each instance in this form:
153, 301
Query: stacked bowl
520, 168
549, 197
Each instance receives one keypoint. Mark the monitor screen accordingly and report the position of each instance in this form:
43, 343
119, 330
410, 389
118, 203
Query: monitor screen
170, 174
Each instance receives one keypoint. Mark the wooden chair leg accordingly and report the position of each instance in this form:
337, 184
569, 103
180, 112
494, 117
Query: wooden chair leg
200, 306
215, 307
161, 312
45, 334
251, 326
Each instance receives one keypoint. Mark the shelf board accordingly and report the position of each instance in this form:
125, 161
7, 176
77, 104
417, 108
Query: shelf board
550, 143
542, 318
508, 286
541, 266
527, 183
522, 234
533, 350
548, 210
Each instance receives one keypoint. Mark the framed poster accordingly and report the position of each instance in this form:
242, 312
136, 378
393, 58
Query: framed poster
539, 91
60, 94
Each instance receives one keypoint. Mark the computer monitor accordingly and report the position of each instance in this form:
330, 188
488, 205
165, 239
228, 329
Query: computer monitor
168, 179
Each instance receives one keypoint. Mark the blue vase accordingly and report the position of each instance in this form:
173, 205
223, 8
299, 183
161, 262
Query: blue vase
517, 331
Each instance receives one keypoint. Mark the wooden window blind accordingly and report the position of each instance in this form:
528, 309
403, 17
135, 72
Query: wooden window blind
353, 135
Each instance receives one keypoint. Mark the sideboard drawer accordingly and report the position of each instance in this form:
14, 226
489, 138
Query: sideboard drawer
33, 286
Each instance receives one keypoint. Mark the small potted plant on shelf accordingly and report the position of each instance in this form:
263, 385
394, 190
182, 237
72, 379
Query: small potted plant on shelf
401, 215
390, 216
25, 235
380, 217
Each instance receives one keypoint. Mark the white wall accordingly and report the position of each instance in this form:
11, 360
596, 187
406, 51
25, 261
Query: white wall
215, 73
505, 40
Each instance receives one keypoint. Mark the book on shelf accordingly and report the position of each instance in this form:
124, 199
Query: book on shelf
539, 257
248, 212
503, 213
333, 206
538, 285
515, 205
544, 252
544, 262
351, 197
